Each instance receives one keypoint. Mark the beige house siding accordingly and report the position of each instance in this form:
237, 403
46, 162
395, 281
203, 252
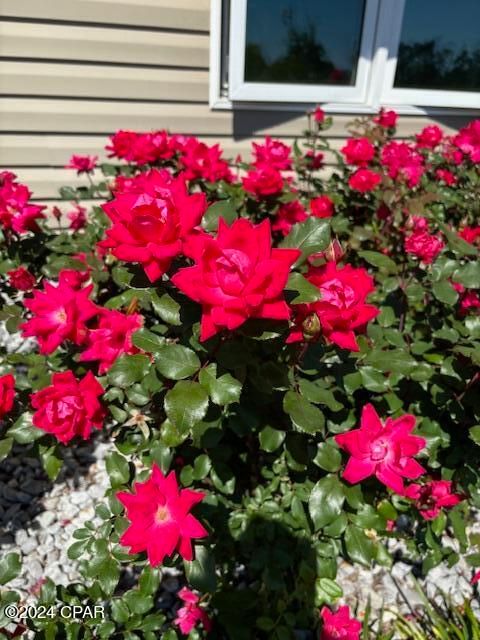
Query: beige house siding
74, 71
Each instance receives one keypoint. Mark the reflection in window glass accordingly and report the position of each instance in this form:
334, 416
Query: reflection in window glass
303, 41
440, 45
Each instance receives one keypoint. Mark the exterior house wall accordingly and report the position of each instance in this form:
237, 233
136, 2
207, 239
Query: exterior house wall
74, 71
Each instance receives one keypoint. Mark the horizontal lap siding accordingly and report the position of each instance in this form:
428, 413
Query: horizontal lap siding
74, 71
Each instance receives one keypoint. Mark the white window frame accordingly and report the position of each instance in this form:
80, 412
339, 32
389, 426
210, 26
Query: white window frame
374, 79
271, 92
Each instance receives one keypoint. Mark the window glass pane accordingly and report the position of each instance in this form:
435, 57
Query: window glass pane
303, 41
440, 45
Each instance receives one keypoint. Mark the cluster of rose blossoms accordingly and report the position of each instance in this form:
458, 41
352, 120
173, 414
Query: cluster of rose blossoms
233, 275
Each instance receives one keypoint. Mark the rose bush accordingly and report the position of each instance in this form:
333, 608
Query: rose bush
285, 362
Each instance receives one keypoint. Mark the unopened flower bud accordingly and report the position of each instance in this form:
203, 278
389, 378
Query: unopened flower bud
334, 252
311, 326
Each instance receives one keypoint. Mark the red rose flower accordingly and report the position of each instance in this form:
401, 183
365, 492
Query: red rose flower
140, 148
152, 220
77, 217
470, 234
386, 119
111, 338
358, 151
262, 182
430, 137
69, 407
16, 211
468, 140
237, 276
60, 313
447, 176
402, 162
314, 160
272, 153
423, 245
7, 393
202, 162
431, 497
160, 518
82, 164
191, 614
341, 310
318, 115
383, 450
21, 279
287, 215
364, 180
321, 207
339, 625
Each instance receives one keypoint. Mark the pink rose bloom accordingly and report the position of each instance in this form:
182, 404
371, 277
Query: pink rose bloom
318, 115
423, 245
321, 207
7, 394
122, 145
263, 182
342, 309
77, 217
160, 518
59, 313
358, 151
383, 450
447, 176
468, 140
152, 221
69, 407
21, 279
111, 338
386, 119
140, 148
236, 276
287, 215
431, 497
191, 614
402, 162
469, 301
364, 180
339, 625
202, 162
273, 153
82, 164
430, 137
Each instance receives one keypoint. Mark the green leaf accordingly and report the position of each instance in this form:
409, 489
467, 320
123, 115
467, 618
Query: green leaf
310, 236
221, 209
200, 572
23, 431
327, 591
76, 549
120, 611
108, 575
359, 548
271, 439
10, 567
304, 415
474, 434
444, 292
118, 469
314, 393
166, 308
326, 501
394, 361
379, 260
128, 369
186, 404
456, 243
177, 362
468, 275
305, 291
52, 462
148, 341
5, 447
223, 390
328, 457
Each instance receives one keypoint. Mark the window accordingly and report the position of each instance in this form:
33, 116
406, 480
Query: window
357, 53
